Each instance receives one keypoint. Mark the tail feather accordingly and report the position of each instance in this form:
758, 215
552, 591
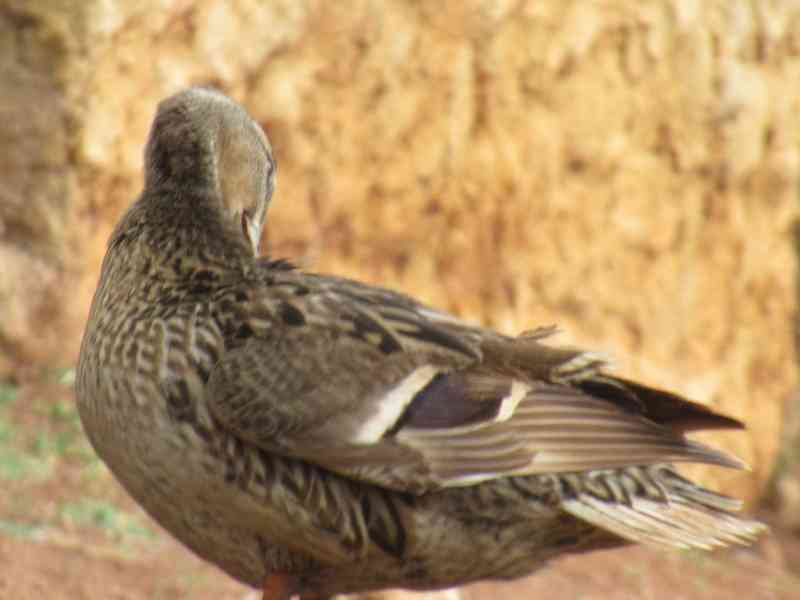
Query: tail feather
677, 514
660, 406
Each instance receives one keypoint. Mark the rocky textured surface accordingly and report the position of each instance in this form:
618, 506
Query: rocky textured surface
38, 186
628, 170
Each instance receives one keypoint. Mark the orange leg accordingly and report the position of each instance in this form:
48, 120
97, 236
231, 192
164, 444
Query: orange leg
277, 587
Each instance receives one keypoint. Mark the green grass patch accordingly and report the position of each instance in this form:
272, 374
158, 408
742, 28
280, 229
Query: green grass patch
16, 463
8, 393
22, 530
66, 376
105, 516
62, 411
34, 452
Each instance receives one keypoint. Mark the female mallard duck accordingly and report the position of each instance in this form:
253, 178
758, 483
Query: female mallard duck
314, 435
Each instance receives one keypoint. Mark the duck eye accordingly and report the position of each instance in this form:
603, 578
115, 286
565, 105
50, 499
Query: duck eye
246, 225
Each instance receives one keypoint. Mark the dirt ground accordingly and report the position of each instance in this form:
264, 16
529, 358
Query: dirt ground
67, 531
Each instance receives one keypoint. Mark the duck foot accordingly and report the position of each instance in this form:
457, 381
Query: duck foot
277, 586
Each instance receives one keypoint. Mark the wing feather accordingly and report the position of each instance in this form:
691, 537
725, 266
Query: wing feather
378, 387
554, 428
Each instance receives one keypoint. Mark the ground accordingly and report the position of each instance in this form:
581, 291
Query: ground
68, 531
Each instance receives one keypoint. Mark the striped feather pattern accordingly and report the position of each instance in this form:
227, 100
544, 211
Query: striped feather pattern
680, 514
553, 429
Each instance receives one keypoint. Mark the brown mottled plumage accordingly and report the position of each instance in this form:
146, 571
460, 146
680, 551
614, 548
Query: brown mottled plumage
315, 435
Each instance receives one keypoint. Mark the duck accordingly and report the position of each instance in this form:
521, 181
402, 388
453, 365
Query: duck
312, 435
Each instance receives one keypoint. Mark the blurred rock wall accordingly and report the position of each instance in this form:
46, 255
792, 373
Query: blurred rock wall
626, 169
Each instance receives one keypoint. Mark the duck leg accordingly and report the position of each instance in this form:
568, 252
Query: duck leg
277, 586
